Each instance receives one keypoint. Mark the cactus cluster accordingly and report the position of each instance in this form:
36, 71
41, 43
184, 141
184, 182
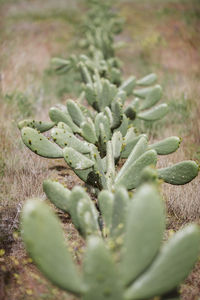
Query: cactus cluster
125, 257
100, 26
142, 267
96, 162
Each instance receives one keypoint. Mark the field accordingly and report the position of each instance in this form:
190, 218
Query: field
159, 36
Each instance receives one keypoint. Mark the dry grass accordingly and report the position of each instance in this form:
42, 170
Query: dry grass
22, 173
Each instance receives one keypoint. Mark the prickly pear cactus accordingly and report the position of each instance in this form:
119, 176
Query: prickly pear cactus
142, 268
125, 256
98, 168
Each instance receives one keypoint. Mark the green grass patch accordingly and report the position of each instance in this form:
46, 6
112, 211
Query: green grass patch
66, 16
23, 103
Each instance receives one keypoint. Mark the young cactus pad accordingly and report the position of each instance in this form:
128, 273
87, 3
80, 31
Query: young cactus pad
166, 146
150, 232
155, 113
39, 125
180, 173
57, 194
77, 203
44, 240
152, 98
40, 144
144, 269
147, 80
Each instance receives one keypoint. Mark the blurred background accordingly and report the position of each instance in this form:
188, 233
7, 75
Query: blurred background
160, 36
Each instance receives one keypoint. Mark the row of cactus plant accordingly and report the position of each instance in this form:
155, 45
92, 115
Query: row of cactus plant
97, 165
125, 256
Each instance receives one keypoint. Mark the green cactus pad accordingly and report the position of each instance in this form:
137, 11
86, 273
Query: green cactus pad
144, 232
57, 194
39, 125
117, 114
107, 93
110, 174
85, 73
166, 146
180, 173
86, 112
75, 112
152, 98
88, 176
39, 144
88, 132
147, 80
115, 76
56, 115
104, 164
170, 267
143, 93
102, 139
137, 151
136, 104
64, 126
90, 95
61, 65
44, 240
121, 95
77, 193
120, 206
149, 175
117, 144
105, 201
101, 277
131, 133
101, 118
124, 126
76, 160
98, 167
130, 178
59, 61
64, 138
128, 85
129, 144
87, 217
155, 113
109, 115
